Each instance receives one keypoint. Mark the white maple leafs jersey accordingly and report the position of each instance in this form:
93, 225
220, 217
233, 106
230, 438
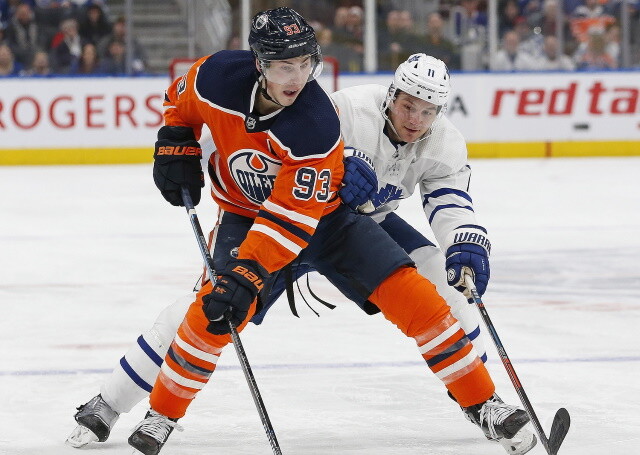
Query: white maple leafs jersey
437, 164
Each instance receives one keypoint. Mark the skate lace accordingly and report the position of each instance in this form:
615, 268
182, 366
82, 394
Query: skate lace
494, 413
158, 427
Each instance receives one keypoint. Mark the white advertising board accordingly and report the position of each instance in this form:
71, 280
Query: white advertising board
539, 107
126, 112
80, 112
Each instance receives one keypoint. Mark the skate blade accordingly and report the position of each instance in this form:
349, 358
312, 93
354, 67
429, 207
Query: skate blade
80, 437
522, 442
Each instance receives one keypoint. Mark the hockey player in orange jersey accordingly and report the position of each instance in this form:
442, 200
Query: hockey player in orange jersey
275, 175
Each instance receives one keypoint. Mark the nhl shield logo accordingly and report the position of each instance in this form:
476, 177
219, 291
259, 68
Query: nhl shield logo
250, 123
254, 172
261, 21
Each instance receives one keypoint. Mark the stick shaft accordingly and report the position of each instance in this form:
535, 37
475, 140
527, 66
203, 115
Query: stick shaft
242, 356
507, 363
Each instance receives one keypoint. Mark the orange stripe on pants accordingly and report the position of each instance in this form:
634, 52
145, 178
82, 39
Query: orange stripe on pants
412, 303
172, 399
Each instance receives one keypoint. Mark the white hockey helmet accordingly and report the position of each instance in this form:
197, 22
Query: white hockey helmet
424, 77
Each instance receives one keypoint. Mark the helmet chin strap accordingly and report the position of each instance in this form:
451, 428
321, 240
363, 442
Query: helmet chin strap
263, 91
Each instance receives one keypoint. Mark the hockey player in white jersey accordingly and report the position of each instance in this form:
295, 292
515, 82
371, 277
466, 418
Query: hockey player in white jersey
399, 139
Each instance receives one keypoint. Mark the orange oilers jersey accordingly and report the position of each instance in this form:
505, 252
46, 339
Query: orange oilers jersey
283, 169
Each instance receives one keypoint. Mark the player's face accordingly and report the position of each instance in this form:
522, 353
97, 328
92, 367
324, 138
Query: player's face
287, 78
411, 117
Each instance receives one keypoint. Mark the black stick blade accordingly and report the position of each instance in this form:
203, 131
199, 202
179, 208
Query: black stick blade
559, 429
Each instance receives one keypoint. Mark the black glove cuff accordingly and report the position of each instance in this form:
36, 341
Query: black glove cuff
248, 273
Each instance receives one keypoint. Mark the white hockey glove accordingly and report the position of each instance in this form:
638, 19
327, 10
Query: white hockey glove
468, 254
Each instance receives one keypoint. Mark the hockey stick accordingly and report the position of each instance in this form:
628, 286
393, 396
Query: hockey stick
242, 356
561, 421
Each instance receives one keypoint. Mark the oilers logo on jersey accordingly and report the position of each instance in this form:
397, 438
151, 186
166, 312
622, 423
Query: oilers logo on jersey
254, 172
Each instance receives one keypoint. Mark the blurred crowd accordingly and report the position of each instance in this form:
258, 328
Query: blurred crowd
63, 37
456, 31
76, 37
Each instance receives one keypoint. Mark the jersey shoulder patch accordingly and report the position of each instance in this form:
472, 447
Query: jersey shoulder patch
310, 126
227, 78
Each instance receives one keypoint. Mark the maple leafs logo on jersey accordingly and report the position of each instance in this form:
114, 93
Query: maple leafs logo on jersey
387, 194
254, 172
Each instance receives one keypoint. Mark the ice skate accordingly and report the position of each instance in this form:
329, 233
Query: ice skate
95, 421
503, 423
150, 435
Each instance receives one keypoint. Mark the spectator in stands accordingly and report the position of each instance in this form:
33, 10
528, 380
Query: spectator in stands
531, 43
66, 47
4, 15
351, 34
114, 62
590, 8
39, 66
509, 16
119, 33
436, 45
88, 63
592, 55
548, 22
8, 65
94, 24
349, 60
49, 16
532, 10
470, 33
22, 35
510, 58
396, 42
418, 10
340, 18
552, 59
613, 43
588, 16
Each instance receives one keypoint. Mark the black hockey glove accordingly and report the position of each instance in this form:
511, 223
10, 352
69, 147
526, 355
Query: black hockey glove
468, 254
176, 163
233, 294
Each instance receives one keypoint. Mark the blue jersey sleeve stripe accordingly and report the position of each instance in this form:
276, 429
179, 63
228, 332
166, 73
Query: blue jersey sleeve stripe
149, 351
448, 206
134, 376
292, 228
445, 191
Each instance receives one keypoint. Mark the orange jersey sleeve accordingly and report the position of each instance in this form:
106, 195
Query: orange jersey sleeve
282, 169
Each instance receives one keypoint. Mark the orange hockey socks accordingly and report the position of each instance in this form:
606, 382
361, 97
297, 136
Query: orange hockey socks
412, 303
190, 361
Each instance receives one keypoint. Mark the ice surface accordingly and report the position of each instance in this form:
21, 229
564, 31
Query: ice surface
90, 254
